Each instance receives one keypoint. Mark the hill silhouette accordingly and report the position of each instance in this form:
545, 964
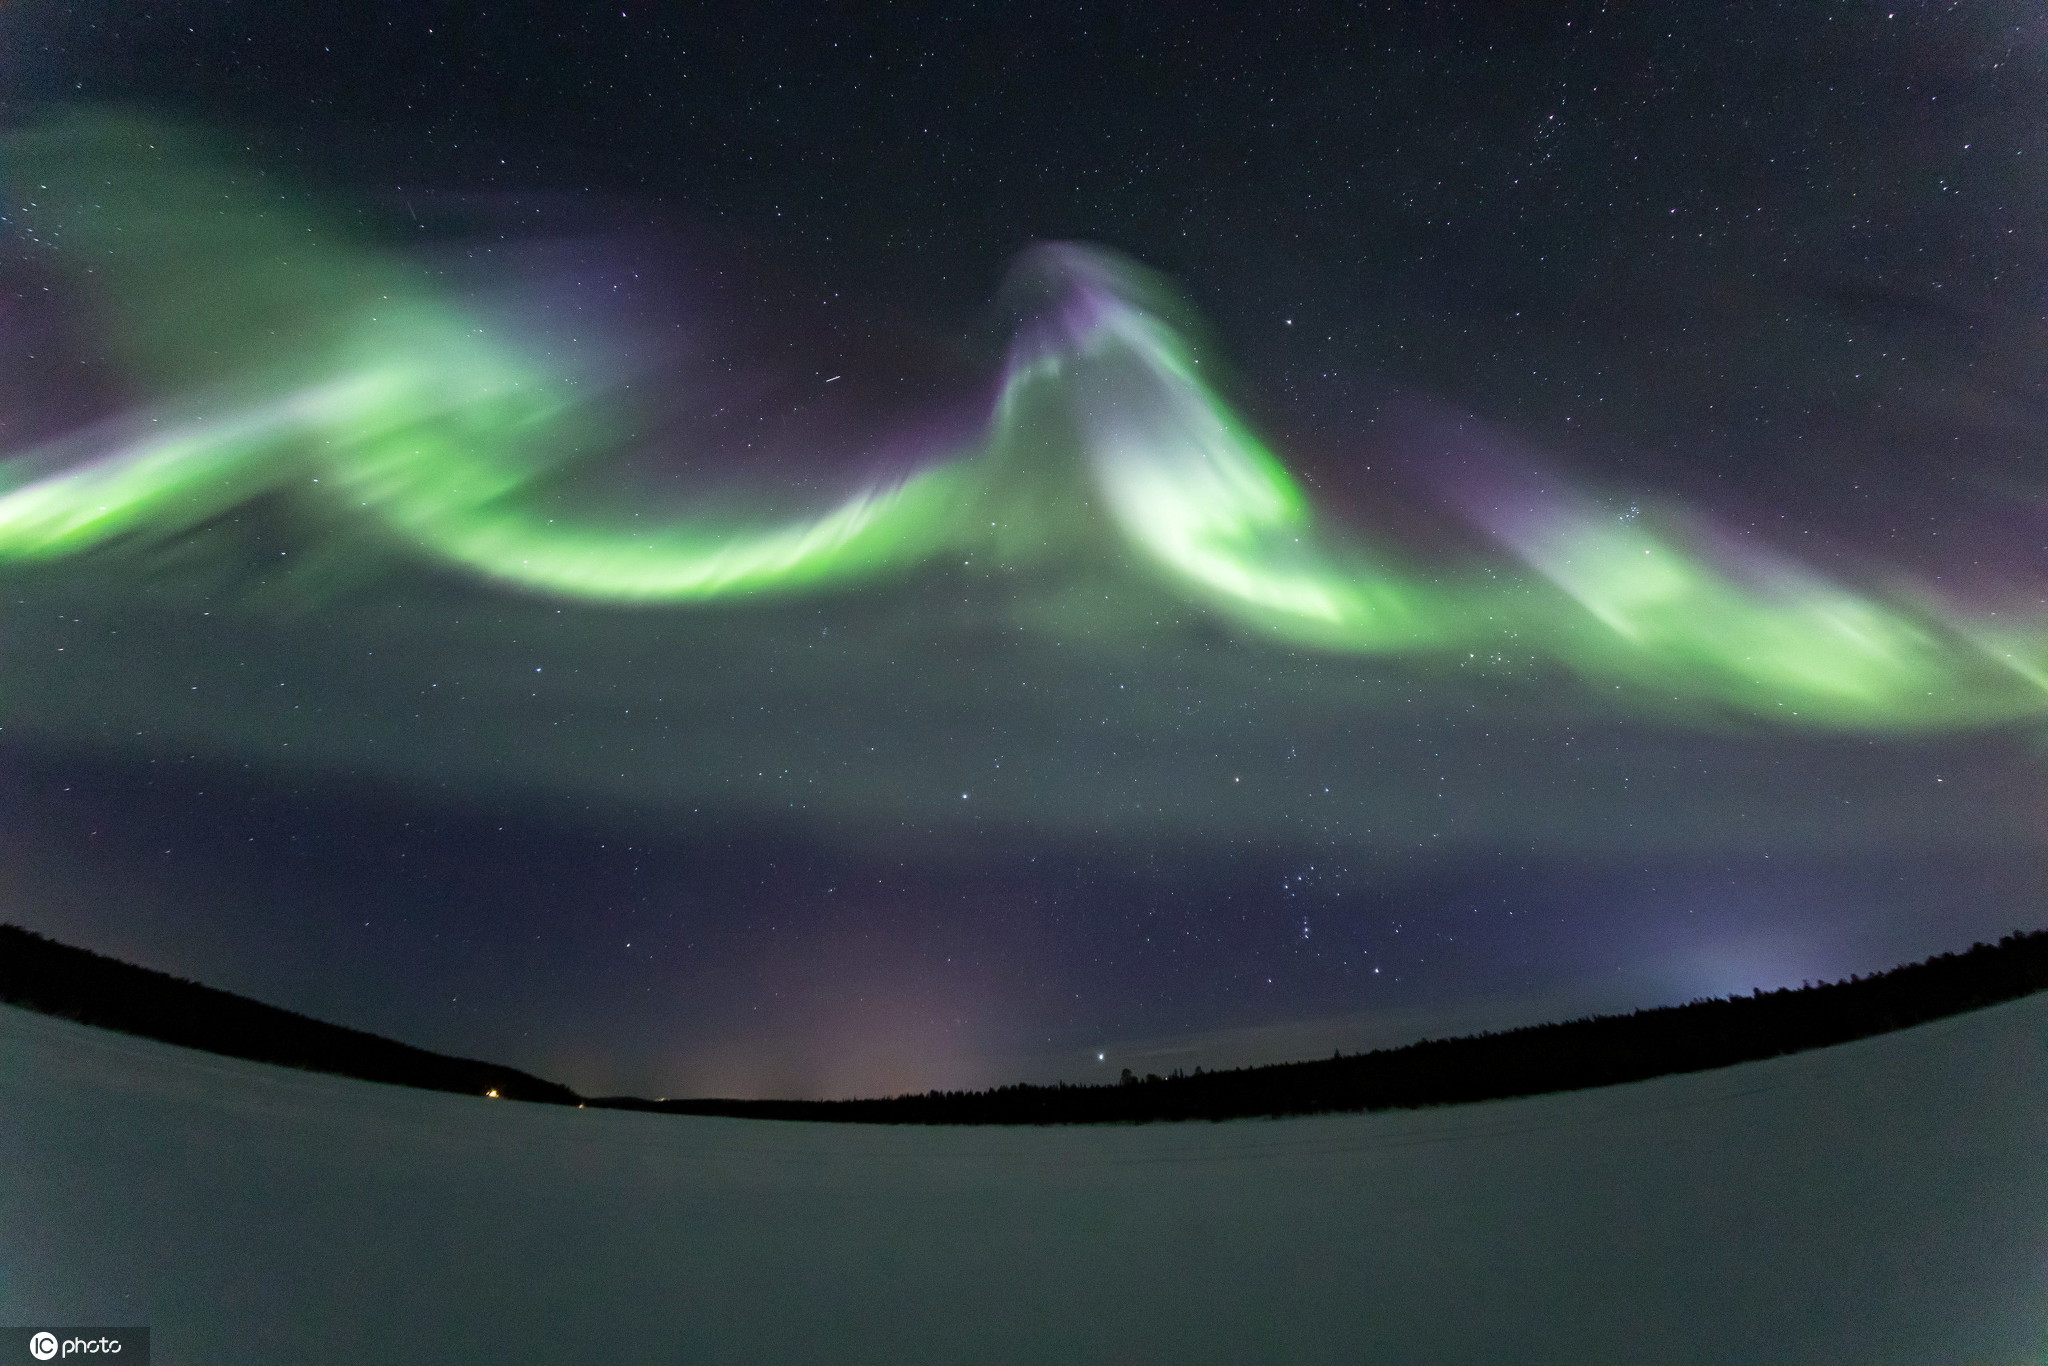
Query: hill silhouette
1599, 1050
77, 984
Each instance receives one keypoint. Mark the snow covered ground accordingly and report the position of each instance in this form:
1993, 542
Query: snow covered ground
1882, 1202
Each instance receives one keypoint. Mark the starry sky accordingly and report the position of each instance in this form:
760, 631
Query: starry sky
839, 551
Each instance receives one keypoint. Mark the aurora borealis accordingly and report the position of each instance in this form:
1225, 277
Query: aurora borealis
411, 418
995, 632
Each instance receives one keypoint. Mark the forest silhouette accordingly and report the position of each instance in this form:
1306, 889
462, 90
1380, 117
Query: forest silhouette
1600, 1050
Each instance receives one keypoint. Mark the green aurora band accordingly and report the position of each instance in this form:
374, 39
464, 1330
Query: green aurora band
309, 367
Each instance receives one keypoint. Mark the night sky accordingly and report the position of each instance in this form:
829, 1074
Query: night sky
837, 550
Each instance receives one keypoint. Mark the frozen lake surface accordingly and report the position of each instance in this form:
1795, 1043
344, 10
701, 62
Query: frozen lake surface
1880, 1202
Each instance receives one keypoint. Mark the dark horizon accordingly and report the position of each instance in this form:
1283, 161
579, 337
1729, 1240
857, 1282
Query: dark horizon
1537, 1059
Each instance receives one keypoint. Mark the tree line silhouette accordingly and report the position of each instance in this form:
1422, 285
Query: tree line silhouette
1596, 1050
60, 979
